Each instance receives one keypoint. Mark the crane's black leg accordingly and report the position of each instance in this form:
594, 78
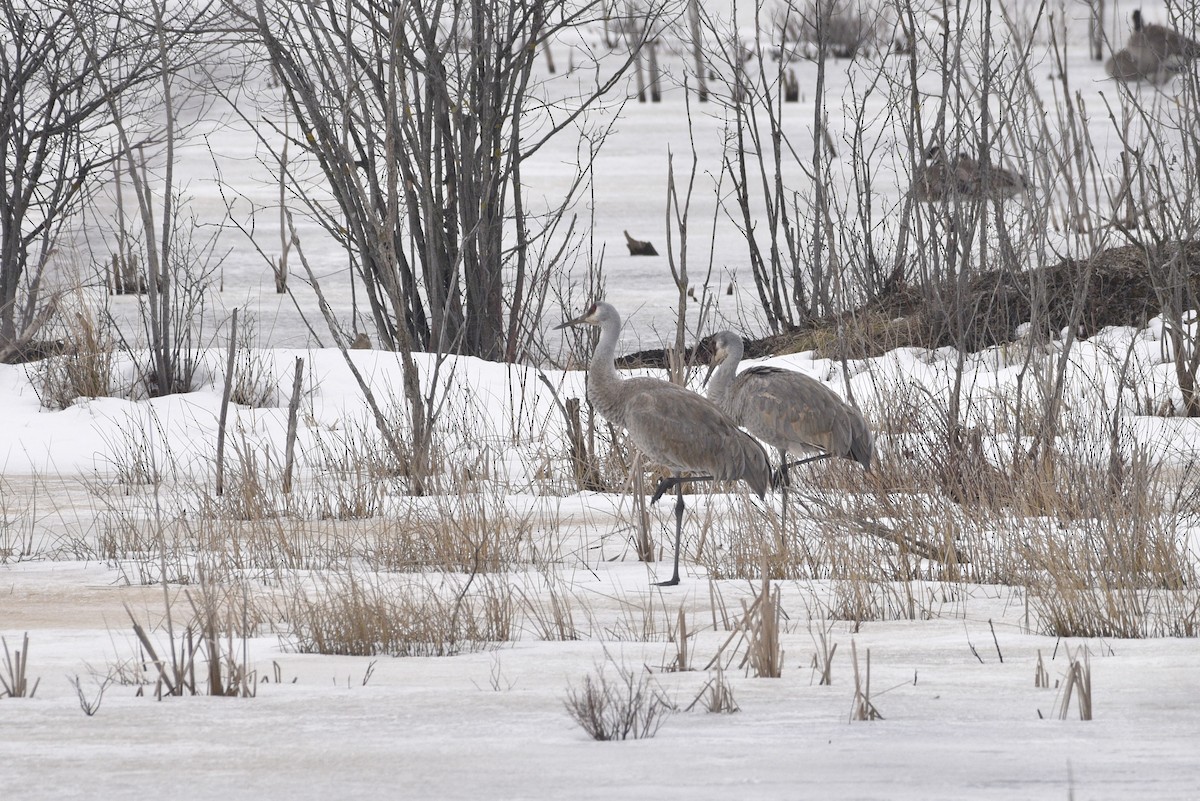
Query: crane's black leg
665, 484
678, 534
799, 462
782, 481
676, 480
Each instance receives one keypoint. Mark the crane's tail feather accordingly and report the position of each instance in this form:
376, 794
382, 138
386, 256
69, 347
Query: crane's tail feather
862, 448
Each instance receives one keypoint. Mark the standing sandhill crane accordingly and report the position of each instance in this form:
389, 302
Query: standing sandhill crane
672, 426
785, 409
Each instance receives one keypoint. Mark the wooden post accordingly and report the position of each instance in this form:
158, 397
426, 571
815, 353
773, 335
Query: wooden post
293, 410
225, 404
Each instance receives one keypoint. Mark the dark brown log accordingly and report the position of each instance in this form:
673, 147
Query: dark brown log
639, 248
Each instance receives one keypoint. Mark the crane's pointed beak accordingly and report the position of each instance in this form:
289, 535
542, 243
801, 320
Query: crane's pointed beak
708, 373
569, 323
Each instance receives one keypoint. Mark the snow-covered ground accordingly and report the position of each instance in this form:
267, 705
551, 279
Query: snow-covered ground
955, 686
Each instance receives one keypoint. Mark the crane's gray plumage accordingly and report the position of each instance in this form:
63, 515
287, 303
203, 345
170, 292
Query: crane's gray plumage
787, 410
672, 426
1160, 43
1127, 67
944, 176
1154, 53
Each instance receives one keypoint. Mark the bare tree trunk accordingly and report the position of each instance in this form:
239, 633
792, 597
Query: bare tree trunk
1096, 30
698, 51
652, 65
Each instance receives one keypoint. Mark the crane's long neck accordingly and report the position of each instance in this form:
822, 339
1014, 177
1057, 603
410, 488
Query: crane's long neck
722, 378
604, 383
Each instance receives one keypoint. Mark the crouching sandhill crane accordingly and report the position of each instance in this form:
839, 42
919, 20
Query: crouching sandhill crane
1154, 54
674, 427
943, 177
1158, 43
787, 410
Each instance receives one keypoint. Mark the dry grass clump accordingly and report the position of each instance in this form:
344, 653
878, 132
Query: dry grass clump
1078, 683
629, 706
254, 381
862, 707
551, 611
716, 695
1113, 559
876, 555
138, 453
14, 679
473, 529
328, 520
146, 548
763, 649
17, 525
1093, 579
84, 367
253, 488
755, 635
208, 654
352, 615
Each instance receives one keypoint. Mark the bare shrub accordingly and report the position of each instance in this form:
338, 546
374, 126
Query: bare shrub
627, 707
89, 704
79, 72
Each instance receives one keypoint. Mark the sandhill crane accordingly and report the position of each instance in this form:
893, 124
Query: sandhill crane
1154, 54
944, 176
1160, 44
672, 426
1124, 66
787, 410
